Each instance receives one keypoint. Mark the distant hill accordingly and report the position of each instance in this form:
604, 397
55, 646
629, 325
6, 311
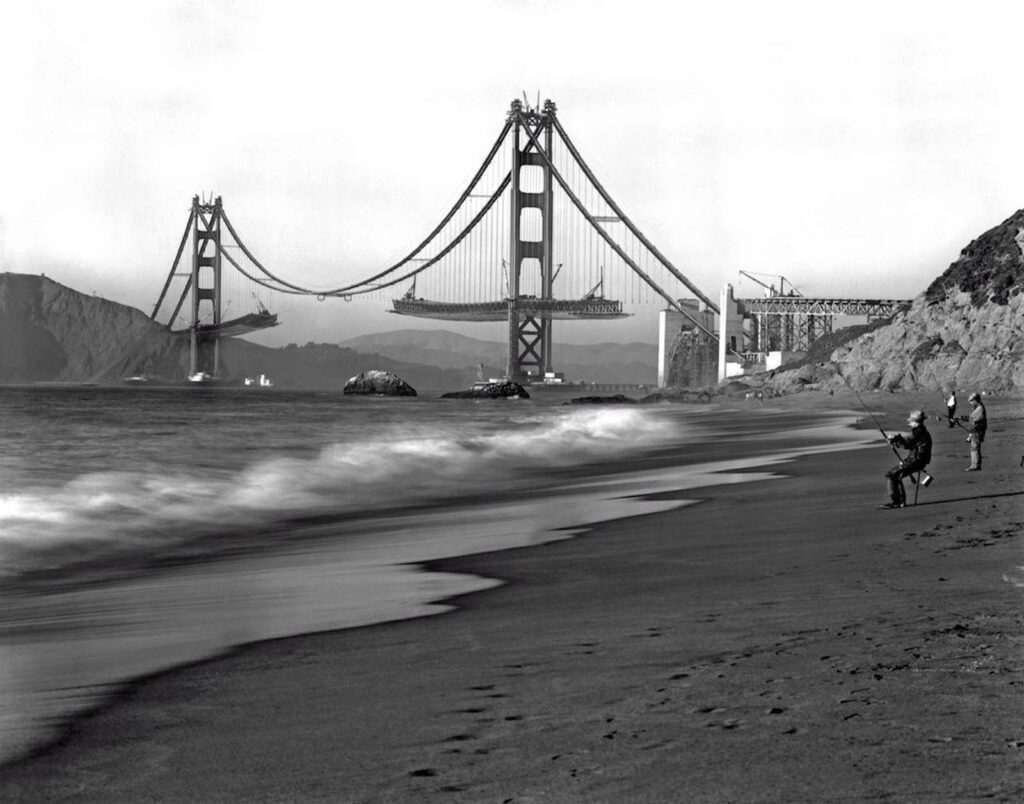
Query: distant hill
51, 333
597, 362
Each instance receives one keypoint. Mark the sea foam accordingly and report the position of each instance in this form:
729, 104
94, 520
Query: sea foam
144, 509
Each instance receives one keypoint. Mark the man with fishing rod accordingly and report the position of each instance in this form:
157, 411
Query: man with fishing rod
919, 444
978, 421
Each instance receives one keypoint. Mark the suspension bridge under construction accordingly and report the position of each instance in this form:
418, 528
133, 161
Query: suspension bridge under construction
534, 238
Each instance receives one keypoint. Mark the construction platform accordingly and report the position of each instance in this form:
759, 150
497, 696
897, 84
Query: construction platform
802, 305
236, 326
555, 309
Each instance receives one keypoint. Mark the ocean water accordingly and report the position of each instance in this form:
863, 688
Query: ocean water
144, 528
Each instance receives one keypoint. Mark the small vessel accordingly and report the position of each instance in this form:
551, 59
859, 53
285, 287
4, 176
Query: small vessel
200, 377
263, 381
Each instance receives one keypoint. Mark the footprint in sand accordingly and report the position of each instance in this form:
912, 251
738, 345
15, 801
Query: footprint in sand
725, 725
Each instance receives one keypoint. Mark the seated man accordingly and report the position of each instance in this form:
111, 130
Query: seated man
919, 442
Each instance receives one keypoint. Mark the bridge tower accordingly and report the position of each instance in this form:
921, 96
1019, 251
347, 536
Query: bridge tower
204, 354
529, 335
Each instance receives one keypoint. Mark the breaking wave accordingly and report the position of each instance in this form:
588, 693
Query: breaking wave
145, 510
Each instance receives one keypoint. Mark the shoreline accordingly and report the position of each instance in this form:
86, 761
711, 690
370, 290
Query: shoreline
534, 635
317, 579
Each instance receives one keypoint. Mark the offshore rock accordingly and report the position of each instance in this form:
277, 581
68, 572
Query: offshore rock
491, 390
378, 383
617, 399
702, 395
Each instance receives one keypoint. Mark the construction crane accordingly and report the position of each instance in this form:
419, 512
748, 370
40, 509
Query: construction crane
781, 291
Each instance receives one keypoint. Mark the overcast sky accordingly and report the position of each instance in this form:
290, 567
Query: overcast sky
853, 148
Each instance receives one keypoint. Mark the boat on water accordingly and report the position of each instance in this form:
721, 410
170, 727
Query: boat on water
263, 381
202, 378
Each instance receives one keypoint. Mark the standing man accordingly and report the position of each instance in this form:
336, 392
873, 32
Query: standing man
919, 442
978, 424
951, 408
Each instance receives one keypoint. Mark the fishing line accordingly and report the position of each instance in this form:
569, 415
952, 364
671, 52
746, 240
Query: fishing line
872, 415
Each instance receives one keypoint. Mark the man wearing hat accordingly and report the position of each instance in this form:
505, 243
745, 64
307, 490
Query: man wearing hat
978, 421
919, 442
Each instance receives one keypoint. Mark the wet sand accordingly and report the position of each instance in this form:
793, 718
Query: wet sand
781, 640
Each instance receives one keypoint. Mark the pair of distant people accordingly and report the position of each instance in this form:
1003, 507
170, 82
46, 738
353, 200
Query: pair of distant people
919, 444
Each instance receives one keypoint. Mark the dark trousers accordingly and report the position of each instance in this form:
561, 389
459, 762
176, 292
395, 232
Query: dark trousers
895, 476
949, 415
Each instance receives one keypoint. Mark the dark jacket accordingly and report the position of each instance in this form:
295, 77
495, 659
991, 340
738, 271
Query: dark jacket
919, 442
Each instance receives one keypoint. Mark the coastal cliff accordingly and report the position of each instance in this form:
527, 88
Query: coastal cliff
965, 331
51, 333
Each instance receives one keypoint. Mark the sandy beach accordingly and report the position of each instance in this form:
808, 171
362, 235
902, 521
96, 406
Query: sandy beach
780, 640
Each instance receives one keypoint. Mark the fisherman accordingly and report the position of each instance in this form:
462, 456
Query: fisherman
978, 424
951, 408
919, 442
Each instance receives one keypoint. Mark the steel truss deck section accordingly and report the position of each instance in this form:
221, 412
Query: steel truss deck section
555, 309
236, 326
801, 305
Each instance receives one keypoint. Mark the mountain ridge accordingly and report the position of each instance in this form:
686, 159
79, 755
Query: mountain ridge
633, 362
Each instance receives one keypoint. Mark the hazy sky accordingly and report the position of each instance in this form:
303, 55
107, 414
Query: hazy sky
854, 148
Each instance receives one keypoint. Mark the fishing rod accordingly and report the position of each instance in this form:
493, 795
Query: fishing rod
872, 415
921, 475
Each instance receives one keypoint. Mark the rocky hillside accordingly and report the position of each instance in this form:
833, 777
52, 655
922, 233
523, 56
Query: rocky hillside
51, 333
965, 331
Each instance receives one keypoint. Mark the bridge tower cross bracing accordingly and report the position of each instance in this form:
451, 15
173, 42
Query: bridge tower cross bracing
206, 234
529, 336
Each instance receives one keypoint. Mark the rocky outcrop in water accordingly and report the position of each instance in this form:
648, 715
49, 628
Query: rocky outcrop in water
616, 399
966, 331
492, 390
378, 383
679, 395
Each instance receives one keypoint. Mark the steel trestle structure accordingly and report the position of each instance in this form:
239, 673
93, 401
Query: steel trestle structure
793, 323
